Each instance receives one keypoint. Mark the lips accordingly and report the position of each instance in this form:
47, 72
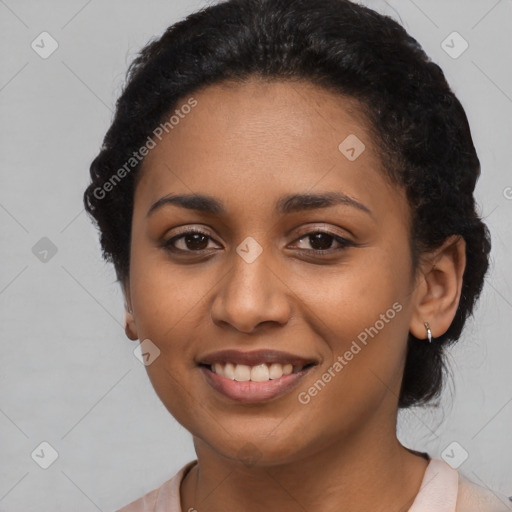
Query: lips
256, 357
240, 386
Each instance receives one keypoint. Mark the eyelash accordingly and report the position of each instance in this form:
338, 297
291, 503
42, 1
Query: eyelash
344, 243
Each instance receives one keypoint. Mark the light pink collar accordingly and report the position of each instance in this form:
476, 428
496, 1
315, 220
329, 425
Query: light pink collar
439, 488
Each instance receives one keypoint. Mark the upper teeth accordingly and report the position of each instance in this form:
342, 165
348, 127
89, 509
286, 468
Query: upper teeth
259, 373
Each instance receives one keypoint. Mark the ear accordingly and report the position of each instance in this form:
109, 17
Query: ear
438, 287
129, 322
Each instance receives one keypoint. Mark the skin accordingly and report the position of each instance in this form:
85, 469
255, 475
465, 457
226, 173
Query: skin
247, 145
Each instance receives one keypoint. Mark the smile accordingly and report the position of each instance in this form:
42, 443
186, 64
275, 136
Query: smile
256, 375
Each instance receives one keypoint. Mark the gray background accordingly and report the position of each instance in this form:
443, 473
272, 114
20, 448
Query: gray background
68, 374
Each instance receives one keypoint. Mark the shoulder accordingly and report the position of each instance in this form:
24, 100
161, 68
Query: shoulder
475, 498
164, 498
444, 489
145, 503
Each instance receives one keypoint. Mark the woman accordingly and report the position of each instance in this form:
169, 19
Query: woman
286, 192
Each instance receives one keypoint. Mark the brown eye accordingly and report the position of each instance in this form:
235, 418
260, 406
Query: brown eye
195, 241
322, 241
188, 241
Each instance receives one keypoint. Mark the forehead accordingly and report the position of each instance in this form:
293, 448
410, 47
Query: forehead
250, 143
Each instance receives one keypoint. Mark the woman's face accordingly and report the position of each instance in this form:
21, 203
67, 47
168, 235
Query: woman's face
252, 281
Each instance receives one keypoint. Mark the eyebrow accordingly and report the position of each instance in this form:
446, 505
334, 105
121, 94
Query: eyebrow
285, 205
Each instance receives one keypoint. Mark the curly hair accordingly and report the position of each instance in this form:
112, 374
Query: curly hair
419, 126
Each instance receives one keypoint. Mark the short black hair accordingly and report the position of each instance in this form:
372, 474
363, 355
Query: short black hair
419, 126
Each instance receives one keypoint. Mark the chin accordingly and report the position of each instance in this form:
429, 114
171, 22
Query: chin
256, 450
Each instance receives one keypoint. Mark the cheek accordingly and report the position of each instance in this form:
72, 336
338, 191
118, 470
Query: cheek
347, 300
360, 311
168, 303
365, 331
169, 307
163, 293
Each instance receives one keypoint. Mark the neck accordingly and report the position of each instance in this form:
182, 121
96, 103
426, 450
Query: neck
369, 471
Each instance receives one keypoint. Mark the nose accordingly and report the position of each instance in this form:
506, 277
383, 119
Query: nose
251, 294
